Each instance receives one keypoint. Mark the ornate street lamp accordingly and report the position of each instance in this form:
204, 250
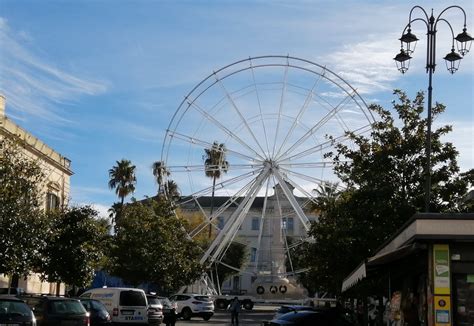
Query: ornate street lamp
408, 43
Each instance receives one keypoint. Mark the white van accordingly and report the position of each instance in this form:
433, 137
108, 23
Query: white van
125, 305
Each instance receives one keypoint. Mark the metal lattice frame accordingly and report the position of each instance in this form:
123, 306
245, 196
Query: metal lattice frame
273, 113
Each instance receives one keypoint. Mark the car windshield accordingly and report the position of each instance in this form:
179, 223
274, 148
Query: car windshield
202, 298
165, 301
11, 307
132, 298
153, 300
66, 307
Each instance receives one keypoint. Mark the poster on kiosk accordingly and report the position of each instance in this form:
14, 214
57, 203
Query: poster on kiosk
442, 286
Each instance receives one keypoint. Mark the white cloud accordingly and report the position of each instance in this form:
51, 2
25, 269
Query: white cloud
34, 87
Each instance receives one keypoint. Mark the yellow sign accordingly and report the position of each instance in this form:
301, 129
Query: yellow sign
442, 305
441, 269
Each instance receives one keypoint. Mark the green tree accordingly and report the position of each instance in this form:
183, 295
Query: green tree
21, 215
235, 256
385, 179
215, 165
151, 245
172, 190
122, 179
160, 172
75, 246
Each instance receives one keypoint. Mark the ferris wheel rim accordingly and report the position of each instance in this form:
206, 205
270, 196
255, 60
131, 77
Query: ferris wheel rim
189, 100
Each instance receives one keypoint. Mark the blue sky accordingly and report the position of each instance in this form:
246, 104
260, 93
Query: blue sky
100, 80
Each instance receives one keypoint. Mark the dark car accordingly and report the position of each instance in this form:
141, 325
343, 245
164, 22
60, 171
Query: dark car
322, 317
291, 308
13, 311
98, 314
57, 311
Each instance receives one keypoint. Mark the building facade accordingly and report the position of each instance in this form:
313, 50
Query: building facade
55, 189
269, 229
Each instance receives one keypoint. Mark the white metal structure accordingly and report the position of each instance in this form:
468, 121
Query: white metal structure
277, 117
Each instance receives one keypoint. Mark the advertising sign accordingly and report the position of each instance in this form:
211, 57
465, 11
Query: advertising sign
442, 310
441, 269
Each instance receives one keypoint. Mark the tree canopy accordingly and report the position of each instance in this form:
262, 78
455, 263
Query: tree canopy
151, 245
75, 245
21, 216
384, 174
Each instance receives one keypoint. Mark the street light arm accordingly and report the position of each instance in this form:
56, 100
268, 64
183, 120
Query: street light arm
450, 27
412, 21
411, 11
450, 7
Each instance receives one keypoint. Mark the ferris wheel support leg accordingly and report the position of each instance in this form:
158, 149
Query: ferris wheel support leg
291, 198
235, 219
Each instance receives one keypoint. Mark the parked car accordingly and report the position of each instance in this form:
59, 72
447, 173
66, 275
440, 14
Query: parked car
155, 310
14, 311
98, 314
125, 305
170, 310
194, 305
52, 311
320, 317
14, 291
290, 308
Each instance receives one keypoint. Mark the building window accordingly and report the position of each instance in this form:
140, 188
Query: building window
220, 222
52, 201
255, 223
253, 255
288, 223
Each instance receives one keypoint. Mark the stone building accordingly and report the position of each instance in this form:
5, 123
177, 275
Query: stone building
266, 273
57, 170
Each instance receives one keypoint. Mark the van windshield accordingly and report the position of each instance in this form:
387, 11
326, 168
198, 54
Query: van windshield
132, 298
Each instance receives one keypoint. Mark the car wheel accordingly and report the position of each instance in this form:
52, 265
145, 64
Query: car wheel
248, 305
221, 304
186, 313
206, 318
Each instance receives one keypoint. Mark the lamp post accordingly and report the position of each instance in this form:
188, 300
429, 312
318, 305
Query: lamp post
408, 43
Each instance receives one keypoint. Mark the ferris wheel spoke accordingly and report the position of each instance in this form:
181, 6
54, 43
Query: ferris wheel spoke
237, 110
205, 144
303, 176
235, 219
318, 125
310, 165
303, 191
202, 168
259, 106
302, 110
280, 109
222, 127
229, 202
260, 227
291, 198
328, 143
220, 185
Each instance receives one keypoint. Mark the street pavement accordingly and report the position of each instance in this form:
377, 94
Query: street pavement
255, 317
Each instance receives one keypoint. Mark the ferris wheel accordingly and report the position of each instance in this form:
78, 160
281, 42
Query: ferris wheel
247, 148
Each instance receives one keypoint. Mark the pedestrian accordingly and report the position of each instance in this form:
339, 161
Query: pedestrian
235, 308
170, 318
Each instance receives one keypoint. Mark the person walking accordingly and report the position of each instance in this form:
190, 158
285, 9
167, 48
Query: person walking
234, 308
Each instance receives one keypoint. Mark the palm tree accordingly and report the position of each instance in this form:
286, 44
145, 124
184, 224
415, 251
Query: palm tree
326, 196
160, 172
172, 190
214, 166
122, 179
